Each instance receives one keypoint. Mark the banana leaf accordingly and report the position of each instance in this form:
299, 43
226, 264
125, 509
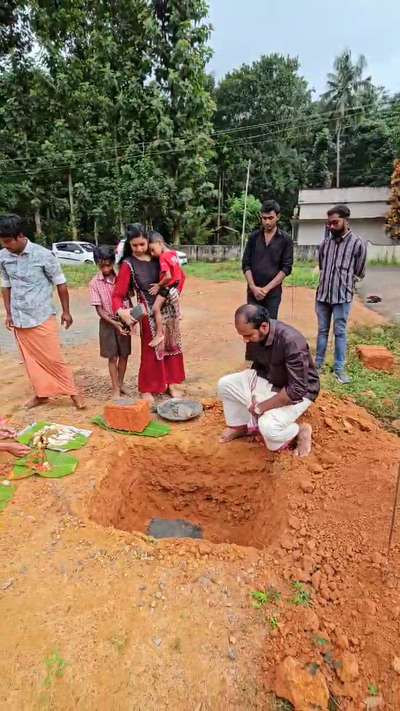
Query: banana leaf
76, 442
6, 494
154, 429
61, 465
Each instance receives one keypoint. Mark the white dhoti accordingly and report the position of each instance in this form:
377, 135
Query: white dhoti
278, 426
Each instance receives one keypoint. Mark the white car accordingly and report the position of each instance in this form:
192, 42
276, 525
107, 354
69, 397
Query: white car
74, 252
120, 248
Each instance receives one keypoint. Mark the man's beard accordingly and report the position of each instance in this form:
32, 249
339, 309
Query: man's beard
338, 233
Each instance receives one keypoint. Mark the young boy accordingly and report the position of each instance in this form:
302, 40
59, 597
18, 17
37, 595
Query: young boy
115, 344
171, 281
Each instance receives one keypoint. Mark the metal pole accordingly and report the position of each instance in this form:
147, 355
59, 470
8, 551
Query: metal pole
245, 209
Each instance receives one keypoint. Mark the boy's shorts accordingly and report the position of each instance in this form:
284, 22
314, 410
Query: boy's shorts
165, 291
112, 344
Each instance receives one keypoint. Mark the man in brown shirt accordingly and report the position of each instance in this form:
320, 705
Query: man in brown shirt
281, 385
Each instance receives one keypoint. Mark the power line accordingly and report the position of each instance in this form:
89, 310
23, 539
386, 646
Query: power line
241, 140
141, 145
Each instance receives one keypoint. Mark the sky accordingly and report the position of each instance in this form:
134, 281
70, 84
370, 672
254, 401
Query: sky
313, 30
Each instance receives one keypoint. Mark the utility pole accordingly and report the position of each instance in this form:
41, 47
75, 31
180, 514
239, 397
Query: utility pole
219, 207
245, 209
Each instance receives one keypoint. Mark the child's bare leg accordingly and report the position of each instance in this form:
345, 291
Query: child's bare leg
113, 368
159, 337
122, 363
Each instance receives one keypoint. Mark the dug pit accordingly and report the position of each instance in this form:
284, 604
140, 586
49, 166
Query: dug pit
228, 492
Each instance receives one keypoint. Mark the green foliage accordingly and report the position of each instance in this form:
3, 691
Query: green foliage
274, 622
55, 668
6, 495
265, 597
303, 272
373, 690
302, 597
271, 94
79, 276
113, 119
259, 598
377, 391
236, 209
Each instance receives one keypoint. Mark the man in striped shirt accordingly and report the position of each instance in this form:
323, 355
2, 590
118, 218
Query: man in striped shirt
342, 259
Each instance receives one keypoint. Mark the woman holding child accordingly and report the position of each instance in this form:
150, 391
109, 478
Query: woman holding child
161, 365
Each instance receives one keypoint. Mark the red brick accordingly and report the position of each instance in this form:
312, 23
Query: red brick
376, 357
128, 415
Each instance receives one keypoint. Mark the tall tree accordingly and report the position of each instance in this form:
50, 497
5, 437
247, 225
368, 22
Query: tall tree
346, 90
181, 53
264, 112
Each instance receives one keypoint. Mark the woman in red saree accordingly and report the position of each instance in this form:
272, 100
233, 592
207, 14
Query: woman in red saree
162, 368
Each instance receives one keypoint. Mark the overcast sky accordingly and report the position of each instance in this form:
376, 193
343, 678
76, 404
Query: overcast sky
314, 30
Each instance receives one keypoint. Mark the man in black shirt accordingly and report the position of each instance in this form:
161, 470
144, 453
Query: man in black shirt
267, 260
281, 385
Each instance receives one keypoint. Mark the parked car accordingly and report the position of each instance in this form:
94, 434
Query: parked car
74, 252
120, 248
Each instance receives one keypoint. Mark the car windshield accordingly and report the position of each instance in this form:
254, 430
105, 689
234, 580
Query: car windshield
88, 247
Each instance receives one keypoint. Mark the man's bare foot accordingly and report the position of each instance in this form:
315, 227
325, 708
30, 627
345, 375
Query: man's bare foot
36, 401
78, 402
116, 394
174, 391
123, 390
232, 433
148, 397
157, 340
304, 441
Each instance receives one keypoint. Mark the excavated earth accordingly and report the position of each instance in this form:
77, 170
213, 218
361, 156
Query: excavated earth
96, 615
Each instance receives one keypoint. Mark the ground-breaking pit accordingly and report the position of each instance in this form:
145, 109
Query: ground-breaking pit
228, 492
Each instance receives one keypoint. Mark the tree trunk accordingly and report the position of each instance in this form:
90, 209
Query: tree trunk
38, 222
96, 232
338, 134
176, 235
120, 220
219, 208
72, 219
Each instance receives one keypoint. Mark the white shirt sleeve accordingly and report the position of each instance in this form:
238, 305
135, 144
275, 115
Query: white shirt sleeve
5, 282
53, 270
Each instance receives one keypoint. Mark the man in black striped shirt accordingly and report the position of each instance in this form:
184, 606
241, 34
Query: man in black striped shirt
342, 259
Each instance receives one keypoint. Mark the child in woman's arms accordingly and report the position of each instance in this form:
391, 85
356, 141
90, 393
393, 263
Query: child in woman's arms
171, 281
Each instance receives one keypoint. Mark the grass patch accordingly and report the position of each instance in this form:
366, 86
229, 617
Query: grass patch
303, 272
55, 668
79, 276
378, 392
301, 597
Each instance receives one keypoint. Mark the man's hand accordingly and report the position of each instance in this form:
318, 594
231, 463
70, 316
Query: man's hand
154, 289
258, 293
9, 323
18, 450
66, 320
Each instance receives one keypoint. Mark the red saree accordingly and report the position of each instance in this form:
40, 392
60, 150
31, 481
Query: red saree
158, 369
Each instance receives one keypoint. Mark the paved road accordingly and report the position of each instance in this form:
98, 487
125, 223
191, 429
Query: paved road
383, 282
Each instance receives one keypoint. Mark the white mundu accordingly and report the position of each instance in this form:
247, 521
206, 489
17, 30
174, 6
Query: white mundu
278, 427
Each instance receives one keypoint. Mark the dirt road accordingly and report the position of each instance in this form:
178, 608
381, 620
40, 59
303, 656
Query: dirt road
94, 618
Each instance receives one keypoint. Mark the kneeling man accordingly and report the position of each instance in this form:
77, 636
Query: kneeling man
277, 390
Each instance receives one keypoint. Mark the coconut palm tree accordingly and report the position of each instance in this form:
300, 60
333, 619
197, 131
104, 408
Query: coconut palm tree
346, 89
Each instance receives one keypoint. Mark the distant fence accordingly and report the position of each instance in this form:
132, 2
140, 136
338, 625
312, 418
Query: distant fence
224, 253
302, 252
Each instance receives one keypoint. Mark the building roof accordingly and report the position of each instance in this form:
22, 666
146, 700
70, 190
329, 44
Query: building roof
364, 202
